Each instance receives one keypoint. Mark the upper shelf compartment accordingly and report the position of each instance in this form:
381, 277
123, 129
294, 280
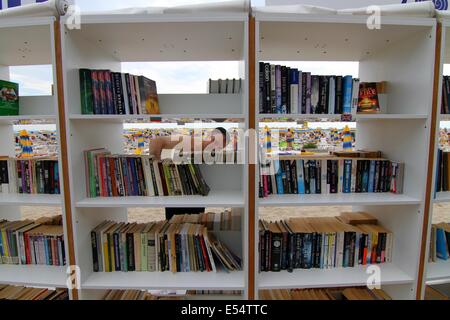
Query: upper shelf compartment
331, 38
26, 41
166, 37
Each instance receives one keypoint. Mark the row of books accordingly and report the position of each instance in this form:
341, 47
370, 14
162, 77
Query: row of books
228, 220
164, 295
31, 176
225, 86
135, 295
445, 95
32, 242
435, 293
325, 243
110, 175
8, 292
439, 242
290, 91
106, 92
443, 171
355, 293
330, 176
159, 246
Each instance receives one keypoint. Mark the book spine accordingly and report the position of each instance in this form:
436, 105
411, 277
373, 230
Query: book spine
314, 98
300, 92
355, 96
96, 98
87, 106
262, 93
318, 176
338, 96
302, 88
371, 176
278, 92
331, 94
306, 176
284, 89
308, 93
119, 94
300, 177
294, 91
347, 86
347, 175
102, 89
276, 252
267, 89
273, 90
323, 94
109, 92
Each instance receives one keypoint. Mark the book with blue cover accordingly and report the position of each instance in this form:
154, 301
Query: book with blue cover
441, 243
371, 176
312, 176
365, 175
347, 86
347, 175
278, 177
300, 177
294, 90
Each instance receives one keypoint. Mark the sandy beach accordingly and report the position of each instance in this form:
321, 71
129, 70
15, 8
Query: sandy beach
441, 212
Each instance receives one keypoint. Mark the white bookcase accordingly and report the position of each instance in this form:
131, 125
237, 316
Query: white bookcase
103, 42
437, 273
401, 53
29, 41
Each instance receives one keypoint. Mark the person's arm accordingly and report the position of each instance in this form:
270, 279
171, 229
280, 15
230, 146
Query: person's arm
158, 144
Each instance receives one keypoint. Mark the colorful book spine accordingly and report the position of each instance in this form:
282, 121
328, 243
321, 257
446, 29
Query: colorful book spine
347, 86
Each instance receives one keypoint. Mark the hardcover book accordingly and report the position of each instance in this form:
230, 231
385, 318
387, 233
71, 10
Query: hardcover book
9, 98
148, 95
368, 98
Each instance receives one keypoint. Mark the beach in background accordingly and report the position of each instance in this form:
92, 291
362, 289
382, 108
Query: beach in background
441, 212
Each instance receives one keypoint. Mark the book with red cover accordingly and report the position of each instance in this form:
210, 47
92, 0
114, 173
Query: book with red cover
368, 98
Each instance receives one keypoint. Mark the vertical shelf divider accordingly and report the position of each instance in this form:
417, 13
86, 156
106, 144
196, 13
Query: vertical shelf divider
430, 170
64, 160
251, 159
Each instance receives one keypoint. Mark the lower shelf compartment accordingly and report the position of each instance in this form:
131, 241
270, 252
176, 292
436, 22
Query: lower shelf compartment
339, 277
165, 280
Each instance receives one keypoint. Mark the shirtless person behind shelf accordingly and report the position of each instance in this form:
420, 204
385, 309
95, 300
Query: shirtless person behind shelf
219, 140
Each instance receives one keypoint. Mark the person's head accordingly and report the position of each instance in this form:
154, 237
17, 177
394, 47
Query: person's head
221, 136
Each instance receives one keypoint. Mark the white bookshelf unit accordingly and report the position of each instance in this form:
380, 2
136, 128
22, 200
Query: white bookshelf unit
29, 41
397, 53
103, 42
438, 272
